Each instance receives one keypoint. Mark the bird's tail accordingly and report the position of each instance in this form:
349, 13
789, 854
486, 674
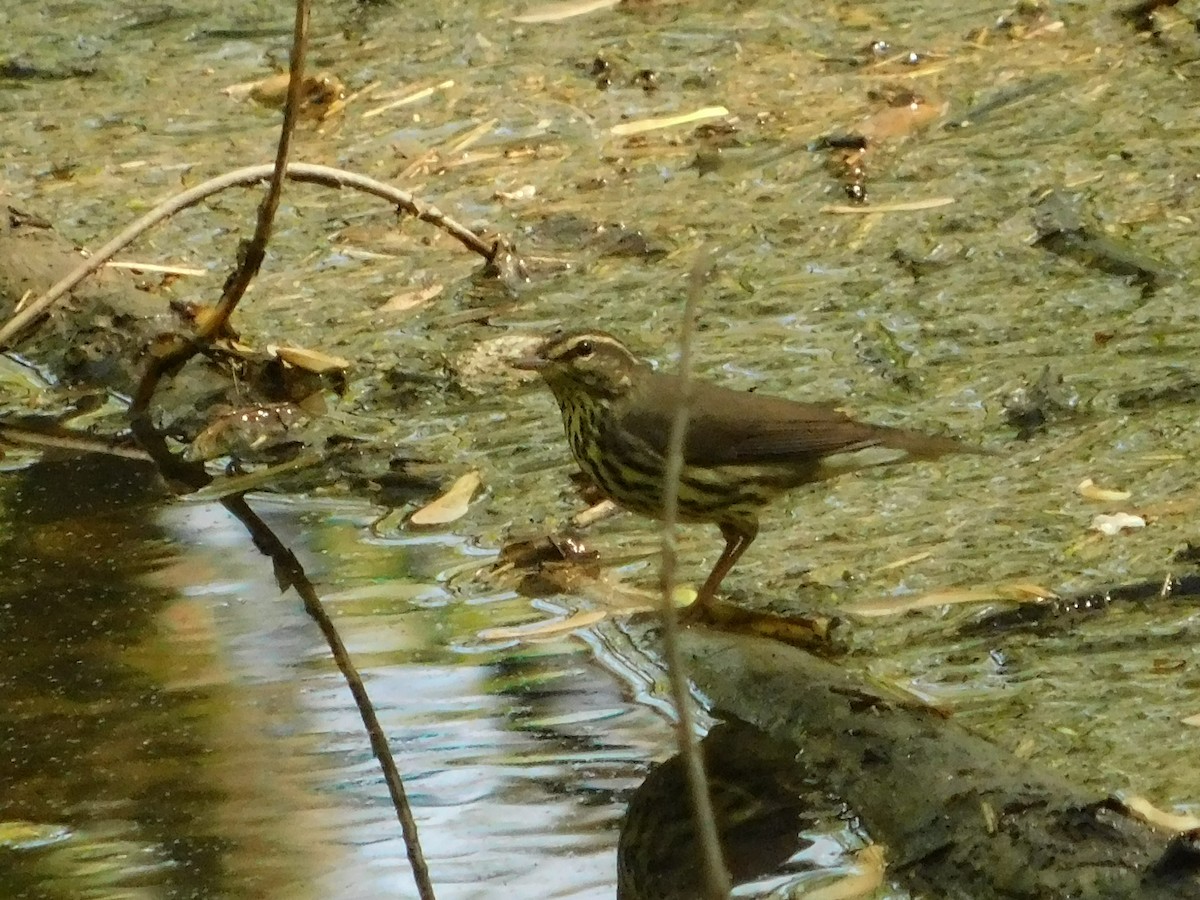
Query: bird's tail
926, 446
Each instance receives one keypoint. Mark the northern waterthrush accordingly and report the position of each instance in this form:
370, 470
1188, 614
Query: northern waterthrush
741, 450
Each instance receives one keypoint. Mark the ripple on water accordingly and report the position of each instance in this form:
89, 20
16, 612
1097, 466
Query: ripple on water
226, 755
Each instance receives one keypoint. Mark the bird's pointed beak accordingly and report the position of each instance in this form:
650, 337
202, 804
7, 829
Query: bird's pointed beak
531, 363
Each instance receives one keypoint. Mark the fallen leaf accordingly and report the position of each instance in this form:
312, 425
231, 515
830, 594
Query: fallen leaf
892, 122
528, 192
1089, 490
451, 505
595, 513
1112, 525
863, 883
317, 92
411, 299
309, 360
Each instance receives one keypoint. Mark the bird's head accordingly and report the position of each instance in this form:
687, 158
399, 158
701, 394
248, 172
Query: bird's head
591, 363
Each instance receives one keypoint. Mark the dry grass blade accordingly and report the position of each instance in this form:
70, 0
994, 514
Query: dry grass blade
906, 561
903, 206
472, 137
888, 606
559, 12
155, 268
415, 96
642, 125
544, 629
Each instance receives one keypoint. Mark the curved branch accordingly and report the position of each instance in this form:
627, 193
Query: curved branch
247, 177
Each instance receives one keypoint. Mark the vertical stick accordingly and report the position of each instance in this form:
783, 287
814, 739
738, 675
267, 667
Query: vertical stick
717, 884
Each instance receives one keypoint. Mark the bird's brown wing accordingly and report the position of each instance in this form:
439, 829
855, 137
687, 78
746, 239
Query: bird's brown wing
740, 428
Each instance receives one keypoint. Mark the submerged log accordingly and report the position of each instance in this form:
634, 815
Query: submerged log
960, 818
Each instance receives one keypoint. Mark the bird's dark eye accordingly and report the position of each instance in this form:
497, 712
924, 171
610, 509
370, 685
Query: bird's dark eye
583, 348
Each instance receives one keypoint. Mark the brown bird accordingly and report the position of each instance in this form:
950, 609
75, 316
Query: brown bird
741, 450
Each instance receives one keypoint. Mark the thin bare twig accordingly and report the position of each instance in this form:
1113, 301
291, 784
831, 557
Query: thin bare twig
717, 883
171, 355
247, 177
63, 439
250, 261
187, 476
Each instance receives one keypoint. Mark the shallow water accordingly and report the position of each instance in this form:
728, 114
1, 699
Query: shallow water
175, 726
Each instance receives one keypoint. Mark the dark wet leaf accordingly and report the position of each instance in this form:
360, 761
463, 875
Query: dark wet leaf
249, 431
1063, 229
1032, 406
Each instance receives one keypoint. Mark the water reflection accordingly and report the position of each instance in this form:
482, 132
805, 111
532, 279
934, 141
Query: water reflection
174, 726
760, 803
96, 752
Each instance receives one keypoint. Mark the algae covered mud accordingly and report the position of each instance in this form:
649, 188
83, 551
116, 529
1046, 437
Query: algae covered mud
972, 219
